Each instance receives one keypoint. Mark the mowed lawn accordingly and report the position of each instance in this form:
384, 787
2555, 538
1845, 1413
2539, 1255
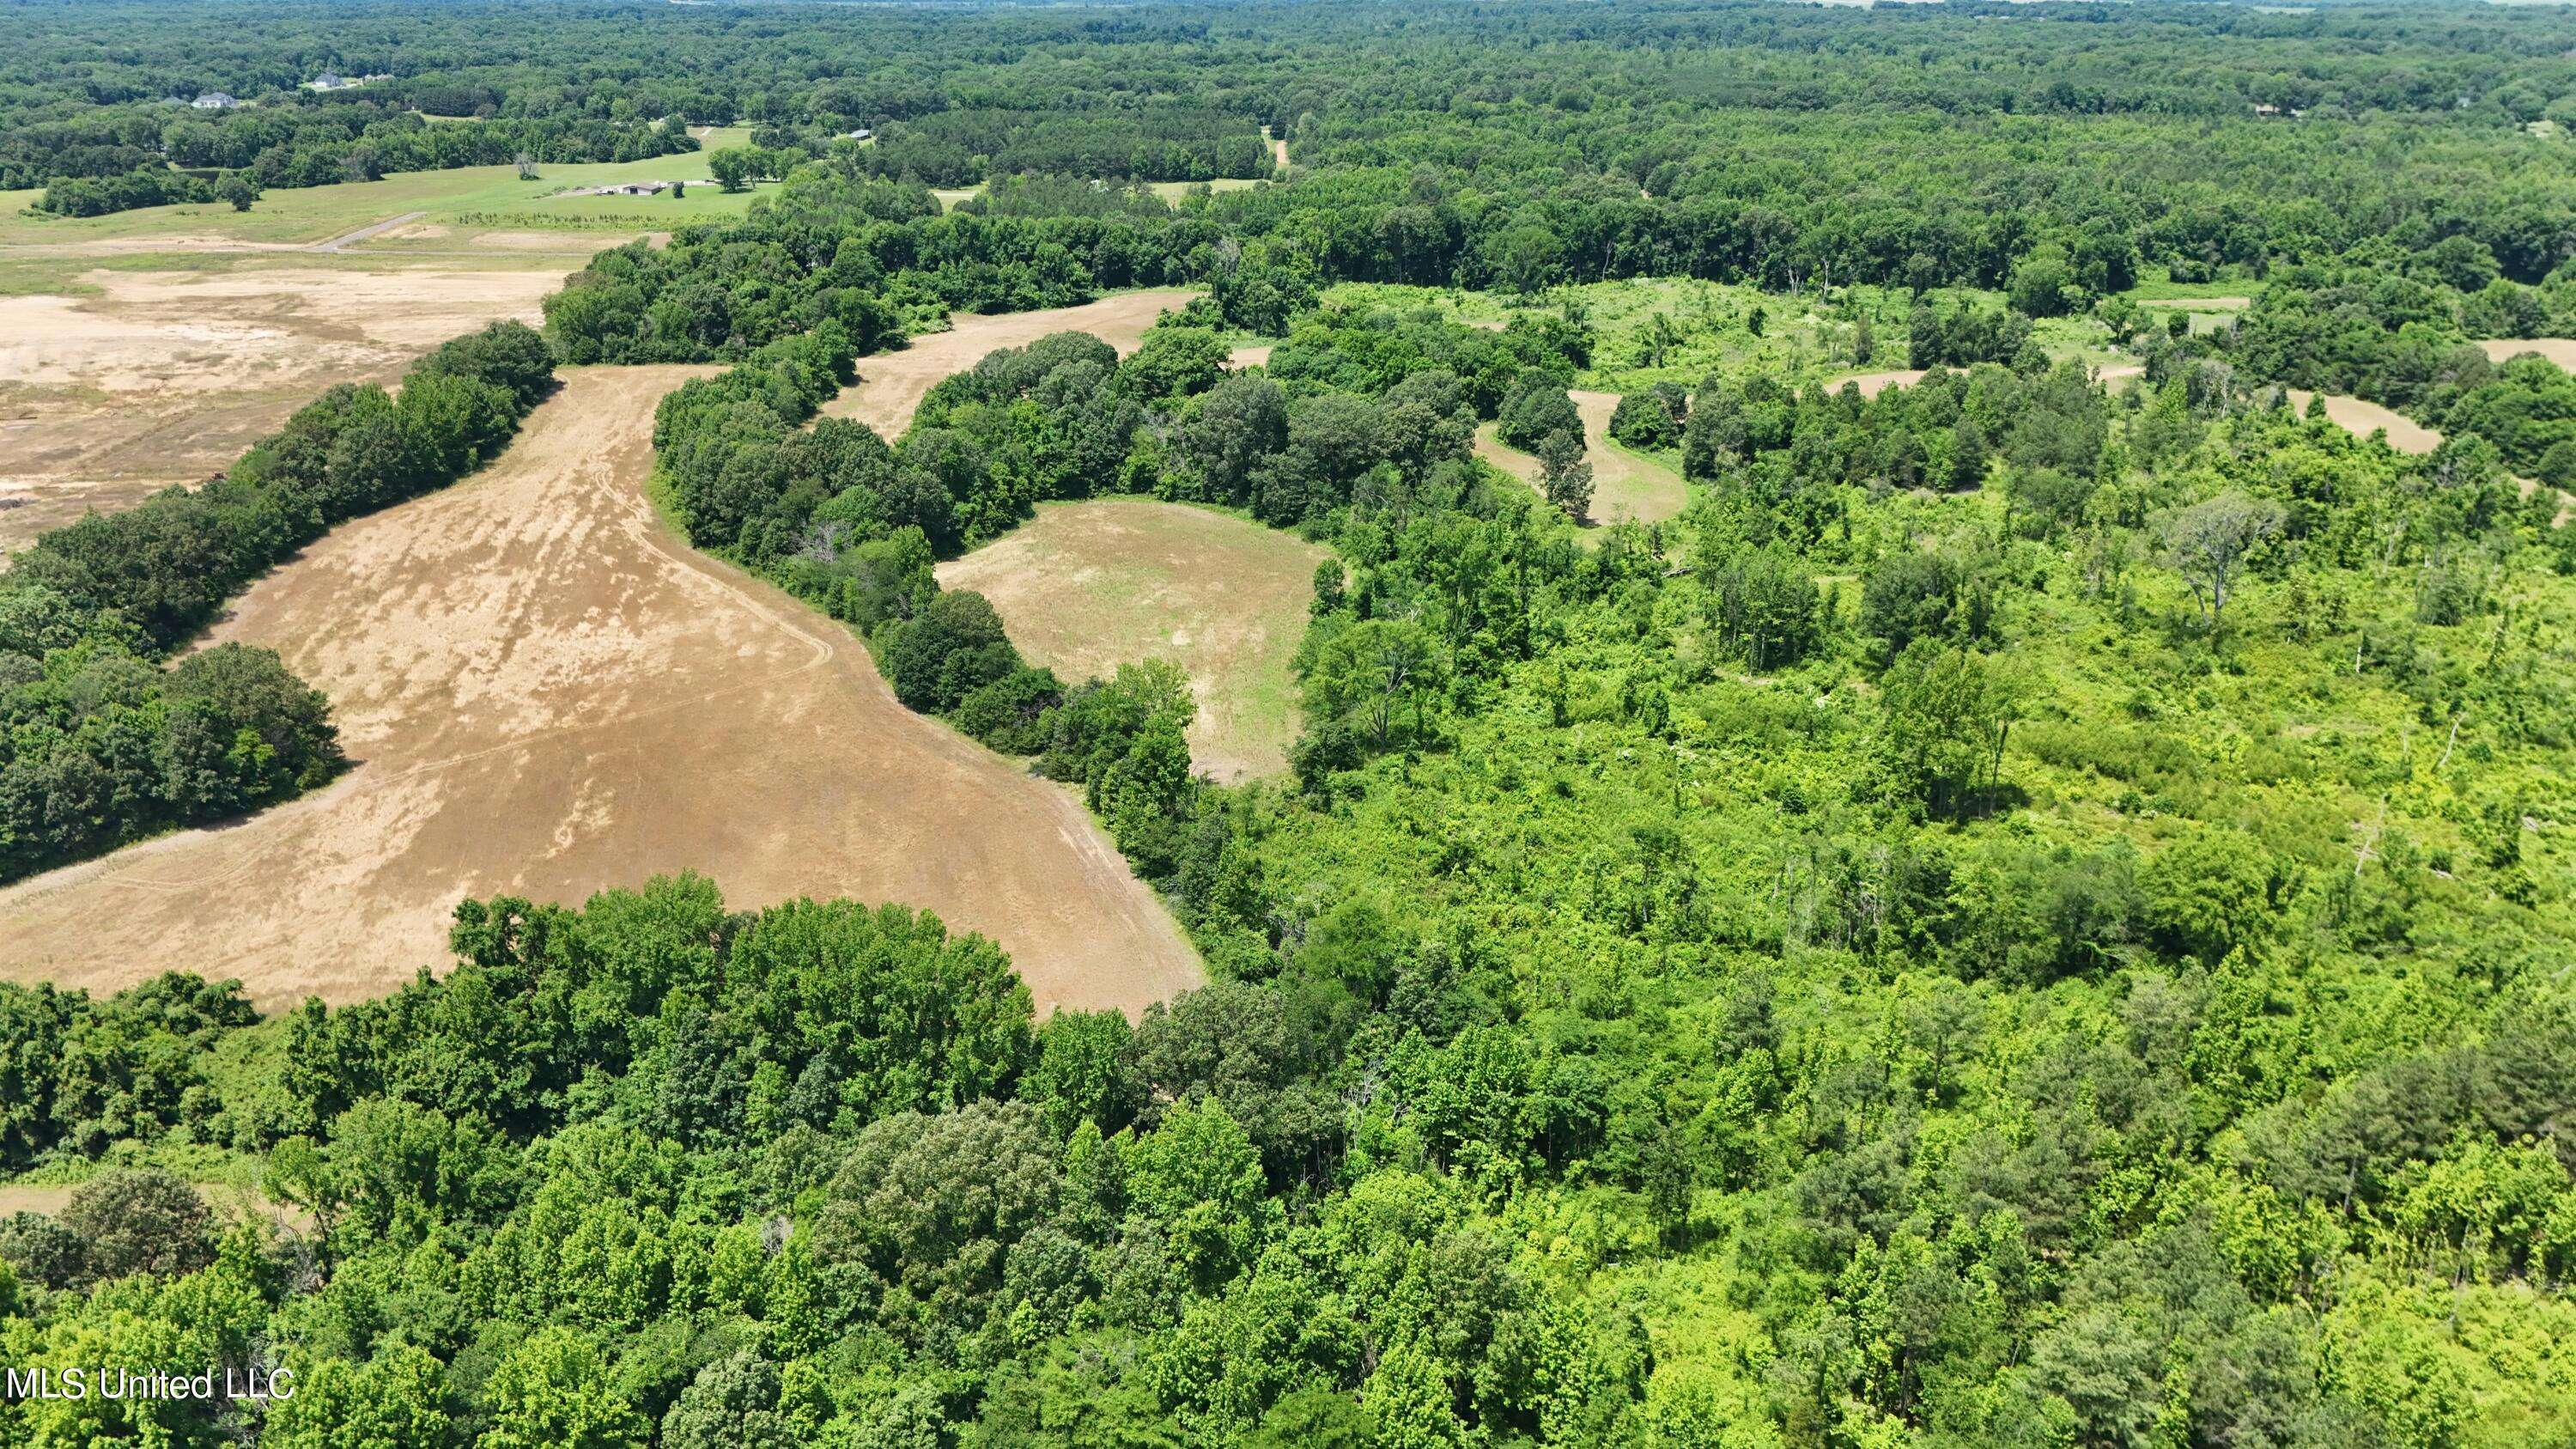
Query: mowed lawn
463, 202
1084, 587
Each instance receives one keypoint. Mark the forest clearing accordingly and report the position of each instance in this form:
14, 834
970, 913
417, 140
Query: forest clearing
2361, 418
547, 694
1627, 487
1084, 587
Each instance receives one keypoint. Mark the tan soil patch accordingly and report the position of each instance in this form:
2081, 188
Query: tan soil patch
1257, 355
230, 1203
1085, 587
432, 235
2201, 304
892, 385
1871, 384
2361, 419
1625, 487
166, 377
548, 694
2560, 350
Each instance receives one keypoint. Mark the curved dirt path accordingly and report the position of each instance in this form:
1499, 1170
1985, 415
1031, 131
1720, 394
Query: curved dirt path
2361, 419
1625, 487
546, 694
2560, 350
891, 384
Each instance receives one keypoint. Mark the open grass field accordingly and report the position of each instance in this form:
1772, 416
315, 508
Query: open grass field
1626, 486
125, 379
544, 692
457, 207
1085, 587
892, 384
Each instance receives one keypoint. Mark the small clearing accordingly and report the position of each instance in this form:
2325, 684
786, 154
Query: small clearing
546, 693
1085, 587
1255, 355
1871, 384
2361, 419
1626, 487
136, 380
892, 384
2560, 350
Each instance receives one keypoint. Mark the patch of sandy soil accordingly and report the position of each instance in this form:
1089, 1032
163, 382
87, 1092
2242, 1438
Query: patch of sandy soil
432, 235
232, 1204
547, 694
1085, 587
1871, 384
1625, 487
1255, 355
2361, 419
2406, 435
166, 377
891, 385
2560, 350
2201, 304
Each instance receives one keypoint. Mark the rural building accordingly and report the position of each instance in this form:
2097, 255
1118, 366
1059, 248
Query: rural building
625, 188
214, 101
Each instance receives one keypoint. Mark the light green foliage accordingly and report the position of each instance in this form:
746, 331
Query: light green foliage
554, 1392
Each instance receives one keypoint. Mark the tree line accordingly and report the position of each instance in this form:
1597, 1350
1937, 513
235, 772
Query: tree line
103, 745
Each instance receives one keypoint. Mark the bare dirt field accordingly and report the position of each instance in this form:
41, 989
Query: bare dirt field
2361, 419
1625, 486
546, 693
1085, 587
892, 384
149, 378
1254, 355
1871, 384
2560, 350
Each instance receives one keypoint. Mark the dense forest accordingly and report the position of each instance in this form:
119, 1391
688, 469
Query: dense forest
2034, 913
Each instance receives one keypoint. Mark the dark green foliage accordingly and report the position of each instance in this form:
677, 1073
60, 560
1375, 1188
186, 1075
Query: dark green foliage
949, 650
962, 147
144, 1221
1653, 419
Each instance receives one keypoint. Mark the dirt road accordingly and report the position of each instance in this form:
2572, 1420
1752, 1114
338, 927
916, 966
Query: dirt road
547, 693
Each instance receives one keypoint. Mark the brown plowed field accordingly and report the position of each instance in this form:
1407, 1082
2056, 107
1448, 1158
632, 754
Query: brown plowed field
160, 377
546, 693
891, 385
